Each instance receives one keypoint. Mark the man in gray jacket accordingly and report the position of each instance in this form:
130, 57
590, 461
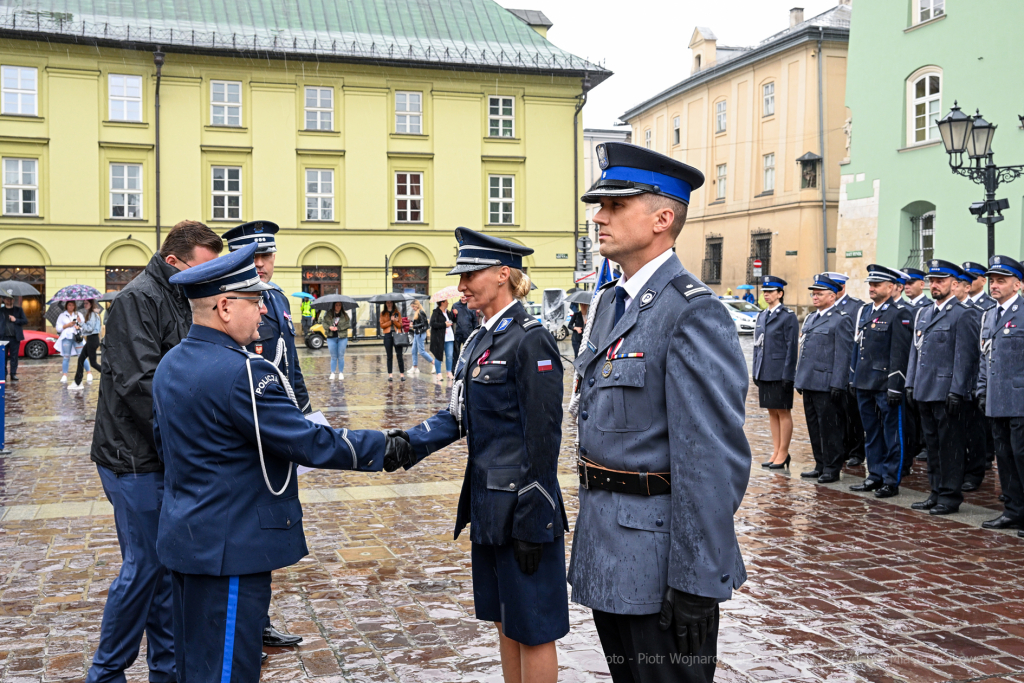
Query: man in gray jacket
663, 460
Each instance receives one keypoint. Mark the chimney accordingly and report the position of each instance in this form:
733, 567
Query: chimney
796, 16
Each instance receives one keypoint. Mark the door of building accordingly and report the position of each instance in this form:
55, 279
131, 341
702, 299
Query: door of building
32, 305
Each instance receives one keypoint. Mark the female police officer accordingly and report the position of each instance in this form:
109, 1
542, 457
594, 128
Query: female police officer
776, 340
507, 398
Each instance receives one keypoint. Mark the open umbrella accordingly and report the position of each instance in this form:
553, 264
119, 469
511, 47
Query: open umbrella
303, 295
449, 292
14, 288
745, 287
390, 296
75, 293
580, 296
109, 296
327, 301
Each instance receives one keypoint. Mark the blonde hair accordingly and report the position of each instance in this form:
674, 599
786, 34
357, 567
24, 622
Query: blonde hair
519, 282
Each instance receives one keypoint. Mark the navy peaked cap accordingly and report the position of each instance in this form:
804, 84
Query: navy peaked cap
260, 233
975, 269
880, 273
1004, 265
938, 268
628, 170
478, 251
914, 273
233, 272
822, 282
771, 283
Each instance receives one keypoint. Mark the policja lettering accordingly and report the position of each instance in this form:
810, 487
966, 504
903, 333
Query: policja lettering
271, 378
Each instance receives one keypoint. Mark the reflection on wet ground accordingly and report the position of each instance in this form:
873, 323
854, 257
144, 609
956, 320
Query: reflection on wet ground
841, 587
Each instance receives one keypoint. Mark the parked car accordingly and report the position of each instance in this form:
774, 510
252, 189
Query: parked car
744, 320
742, 306
38, 345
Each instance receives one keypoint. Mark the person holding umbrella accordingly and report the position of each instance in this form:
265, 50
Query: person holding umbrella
70, 342
390, 325
420, 325
91, 331
12, 320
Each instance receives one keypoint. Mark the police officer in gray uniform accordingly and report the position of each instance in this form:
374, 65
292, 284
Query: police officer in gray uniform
663, 460
914, 289
980, 447
822, 374
943, 365
853, 428
915, 298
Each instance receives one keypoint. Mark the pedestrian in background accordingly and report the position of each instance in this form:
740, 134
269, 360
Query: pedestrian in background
578, 322
336, 323
776, 342
465, 322
442, 338
390, 325
306, 311
420, 324
91, 331
70, 342
12, 322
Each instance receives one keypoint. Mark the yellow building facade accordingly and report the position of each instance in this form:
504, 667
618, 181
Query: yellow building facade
361, 162
748, 118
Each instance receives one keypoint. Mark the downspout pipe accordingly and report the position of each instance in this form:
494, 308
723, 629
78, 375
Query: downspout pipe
158, 59
821, 136
576, 165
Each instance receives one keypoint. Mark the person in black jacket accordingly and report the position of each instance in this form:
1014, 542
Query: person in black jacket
442, 338
148, 318
465, 322
12, 320
578, 322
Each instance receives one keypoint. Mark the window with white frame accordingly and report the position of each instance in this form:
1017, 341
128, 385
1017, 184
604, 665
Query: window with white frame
225, 103
647, 138
720, 181
408, 197
21, 187
930, 9
675, 131
768, 98
501, 200
926, 242
125, 93
319, 194
720, 117
126, 190
769, 172
501, 117
227, 192
925, 104
319, 108
19, 90
409, 112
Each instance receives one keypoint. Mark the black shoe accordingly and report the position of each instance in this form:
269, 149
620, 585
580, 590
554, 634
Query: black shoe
263, 658
887, 491
13, 378
969, 486
1020, 534
943, 510
274, 638
868, 485
924, 504
1003, 522
780, 465
855, 462
1002, 498
811, 474
828, 478
766, 464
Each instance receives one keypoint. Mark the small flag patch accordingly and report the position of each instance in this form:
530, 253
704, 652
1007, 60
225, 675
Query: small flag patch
544, 366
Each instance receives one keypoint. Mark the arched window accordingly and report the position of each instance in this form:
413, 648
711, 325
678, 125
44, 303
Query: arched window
925, 98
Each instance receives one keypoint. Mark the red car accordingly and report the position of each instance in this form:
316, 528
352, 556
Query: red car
38, 345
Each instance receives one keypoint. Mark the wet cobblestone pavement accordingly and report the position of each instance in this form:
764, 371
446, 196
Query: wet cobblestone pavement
842, 587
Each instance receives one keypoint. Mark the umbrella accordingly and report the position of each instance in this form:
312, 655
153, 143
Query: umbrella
745, 287
327, 301
580, 296
390, 296
450, 292
303, 295
109, 296
14, 288
76, 293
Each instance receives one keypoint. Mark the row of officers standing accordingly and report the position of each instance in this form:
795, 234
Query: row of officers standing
904, 376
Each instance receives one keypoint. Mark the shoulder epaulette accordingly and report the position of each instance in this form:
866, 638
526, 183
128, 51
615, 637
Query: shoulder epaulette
900, 306
276, 286
784, 309
527, 321
841, 312
690, 287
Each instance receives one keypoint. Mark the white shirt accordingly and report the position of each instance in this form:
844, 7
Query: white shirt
489, 323
977, 296
635, 284
916, 300
1003, 308
939, 307
822, 313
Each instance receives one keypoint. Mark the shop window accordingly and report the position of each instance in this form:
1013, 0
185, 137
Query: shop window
321, 280
120, 276
410, 279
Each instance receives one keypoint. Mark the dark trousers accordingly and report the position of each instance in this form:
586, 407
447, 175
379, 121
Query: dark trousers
946, 440
139, 599
976, 425
825, 428
1008, 433
913, 442
638, 651
92, 342
883, 436
11, 356
852, 430
389, 347
218, 626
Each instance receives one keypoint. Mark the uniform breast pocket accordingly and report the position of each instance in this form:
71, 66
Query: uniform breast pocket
622, 401
490, 390
281, 514
940, 333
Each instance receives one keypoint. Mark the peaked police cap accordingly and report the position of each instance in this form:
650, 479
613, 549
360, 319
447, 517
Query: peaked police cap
628, 170
260, 233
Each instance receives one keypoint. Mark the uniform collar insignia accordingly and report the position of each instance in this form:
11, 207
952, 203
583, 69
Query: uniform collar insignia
647, 298
503, 325
885, 306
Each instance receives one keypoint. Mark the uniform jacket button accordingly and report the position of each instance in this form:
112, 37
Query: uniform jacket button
512, 485
616, 375
583, 451
591, 381
549, 525
725, 577
287, 522
659, 522
584, 415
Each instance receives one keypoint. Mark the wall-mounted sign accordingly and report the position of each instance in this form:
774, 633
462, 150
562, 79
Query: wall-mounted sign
830, 250
854, 254
561, 256
790, 253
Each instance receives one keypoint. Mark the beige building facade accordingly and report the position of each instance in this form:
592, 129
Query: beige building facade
748, 117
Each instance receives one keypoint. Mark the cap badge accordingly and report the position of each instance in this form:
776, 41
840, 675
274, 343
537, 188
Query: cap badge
258, 228
602, 157
995, 260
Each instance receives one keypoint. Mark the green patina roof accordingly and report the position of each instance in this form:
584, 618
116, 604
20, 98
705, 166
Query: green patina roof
455, 32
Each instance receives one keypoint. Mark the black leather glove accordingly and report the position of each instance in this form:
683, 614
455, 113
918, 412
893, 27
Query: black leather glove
982, 400
787, 385
527, 555
851, 390
838, 395
397, 450
953, 402
694, 616
800, 391
893, 398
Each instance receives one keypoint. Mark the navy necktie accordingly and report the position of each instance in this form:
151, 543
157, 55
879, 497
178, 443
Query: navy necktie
620, 304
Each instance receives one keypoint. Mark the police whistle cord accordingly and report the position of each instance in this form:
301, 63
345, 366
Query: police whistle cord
278, 355
458, 387
259, 441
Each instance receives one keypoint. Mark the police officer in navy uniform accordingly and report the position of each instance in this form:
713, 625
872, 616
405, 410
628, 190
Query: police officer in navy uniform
999, 385
822, 376
776, 344
980, 447
882, 338
940, 380
662, 458
853, 428
914, 290
507, 401
229, 434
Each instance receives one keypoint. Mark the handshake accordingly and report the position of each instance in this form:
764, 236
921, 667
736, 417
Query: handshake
397, 450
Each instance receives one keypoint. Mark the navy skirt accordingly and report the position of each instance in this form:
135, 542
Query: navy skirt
774, 395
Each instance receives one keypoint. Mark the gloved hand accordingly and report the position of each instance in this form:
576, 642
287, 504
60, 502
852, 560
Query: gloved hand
397, 450
851, 390
838, 395
800, 391
694, 616
981, 402
787, 385
909, 391
953, 402
527, 555
893, 398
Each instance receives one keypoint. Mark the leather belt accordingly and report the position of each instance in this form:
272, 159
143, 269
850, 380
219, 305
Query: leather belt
593, 476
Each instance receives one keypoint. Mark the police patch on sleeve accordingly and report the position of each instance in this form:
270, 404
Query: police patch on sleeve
269, 379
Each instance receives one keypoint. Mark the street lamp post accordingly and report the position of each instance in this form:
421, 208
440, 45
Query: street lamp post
963, 133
